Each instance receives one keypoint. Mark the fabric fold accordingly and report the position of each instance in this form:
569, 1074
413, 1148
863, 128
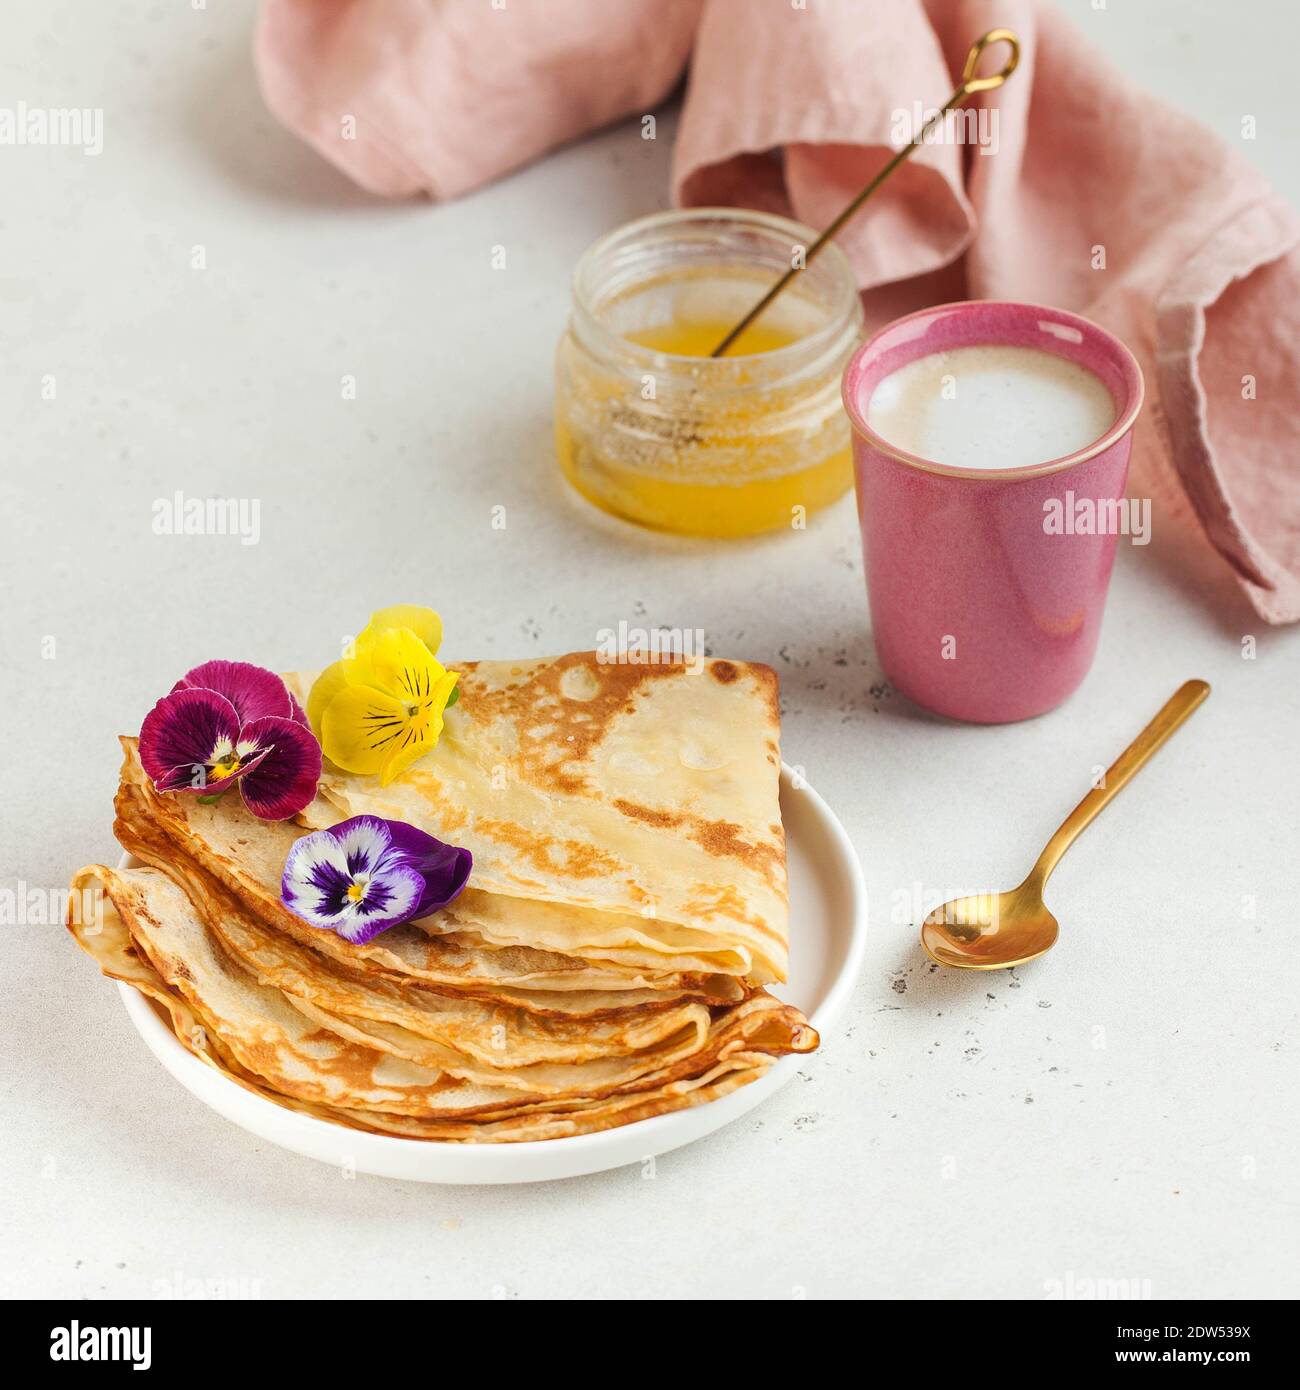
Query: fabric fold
1069, 186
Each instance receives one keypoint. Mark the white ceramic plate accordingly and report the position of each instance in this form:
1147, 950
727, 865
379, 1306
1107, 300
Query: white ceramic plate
828, 926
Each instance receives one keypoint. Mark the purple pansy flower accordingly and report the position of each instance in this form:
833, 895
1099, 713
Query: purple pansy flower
364, 875
227, 722
253, 690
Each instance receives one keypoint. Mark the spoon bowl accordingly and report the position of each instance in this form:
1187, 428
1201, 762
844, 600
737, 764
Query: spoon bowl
990, 931
994, 931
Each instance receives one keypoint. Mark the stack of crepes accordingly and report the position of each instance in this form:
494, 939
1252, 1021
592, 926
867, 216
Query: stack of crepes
604, 964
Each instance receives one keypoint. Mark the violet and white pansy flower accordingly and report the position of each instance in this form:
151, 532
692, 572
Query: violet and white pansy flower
364, 875
226, 722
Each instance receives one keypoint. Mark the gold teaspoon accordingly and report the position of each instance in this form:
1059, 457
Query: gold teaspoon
992, 931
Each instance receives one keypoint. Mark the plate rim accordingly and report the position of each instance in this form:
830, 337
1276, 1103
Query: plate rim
591, 1153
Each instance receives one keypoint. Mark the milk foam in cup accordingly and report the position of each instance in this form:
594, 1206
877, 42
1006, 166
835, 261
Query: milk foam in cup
992, 405
976, 427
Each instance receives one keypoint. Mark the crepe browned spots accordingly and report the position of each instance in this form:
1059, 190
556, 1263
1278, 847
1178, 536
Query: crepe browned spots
626, 813
245, 857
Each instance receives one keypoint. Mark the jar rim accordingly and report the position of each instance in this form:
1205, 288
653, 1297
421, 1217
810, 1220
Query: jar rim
843, 313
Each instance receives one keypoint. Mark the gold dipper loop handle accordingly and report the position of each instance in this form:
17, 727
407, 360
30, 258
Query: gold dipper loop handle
970, 84
1172, 715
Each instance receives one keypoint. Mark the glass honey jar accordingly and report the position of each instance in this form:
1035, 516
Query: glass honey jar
651, 428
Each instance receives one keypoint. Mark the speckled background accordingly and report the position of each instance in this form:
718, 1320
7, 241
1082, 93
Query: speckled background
1123, 1110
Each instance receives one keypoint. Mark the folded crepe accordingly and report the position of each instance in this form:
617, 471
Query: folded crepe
225, 845
149, 933
604, 964
626, 813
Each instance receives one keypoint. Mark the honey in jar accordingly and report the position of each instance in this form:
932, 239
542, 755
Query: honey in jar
651, 428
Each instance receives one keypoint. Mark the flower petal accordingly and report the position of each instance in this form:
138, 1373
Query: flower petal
319, 883
190, 777
407, 755
391, 899
395, 661
253, 690
297, 713
324, 688
424, 622
284, 781
307, 853
444, 868
364, 842
316, 878
183, 731
360, 727
366, 874
420, 736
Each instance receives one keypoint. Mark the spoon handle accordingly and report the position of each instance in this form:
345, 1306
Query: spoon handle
1174, 712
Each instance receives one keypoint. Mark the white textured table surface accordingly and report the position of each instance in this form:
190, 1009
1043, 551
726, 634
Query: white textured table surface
1124, 1109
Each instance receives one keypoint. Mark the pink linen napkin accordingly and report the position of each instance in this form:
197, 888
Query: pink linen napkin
1080, 190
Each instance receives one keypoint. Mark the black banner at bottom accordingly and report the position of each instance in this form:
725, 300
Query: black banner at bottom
180, 1337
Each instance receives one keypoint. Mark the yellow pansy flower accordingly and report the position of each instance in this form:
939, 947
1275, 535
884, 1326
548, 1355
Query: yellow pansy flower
381, 708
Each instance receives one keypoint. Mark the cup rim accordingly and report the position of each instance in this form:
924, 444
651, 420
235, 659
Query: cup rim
1123, 423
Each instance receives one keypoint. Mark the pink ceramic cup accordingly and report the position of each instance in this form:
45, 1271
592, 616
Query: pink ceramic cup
979, 612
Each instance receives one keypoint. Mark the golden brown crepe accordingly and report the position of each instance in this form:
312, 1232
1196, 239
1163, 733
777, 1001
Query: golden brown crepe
624, 813
246, 858
150, 934
472, 1036
604, 964
108, 941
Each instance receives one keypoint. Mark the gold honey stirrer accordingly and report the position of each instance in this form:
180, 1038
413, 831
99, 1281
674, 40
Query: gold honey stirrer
967, 87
